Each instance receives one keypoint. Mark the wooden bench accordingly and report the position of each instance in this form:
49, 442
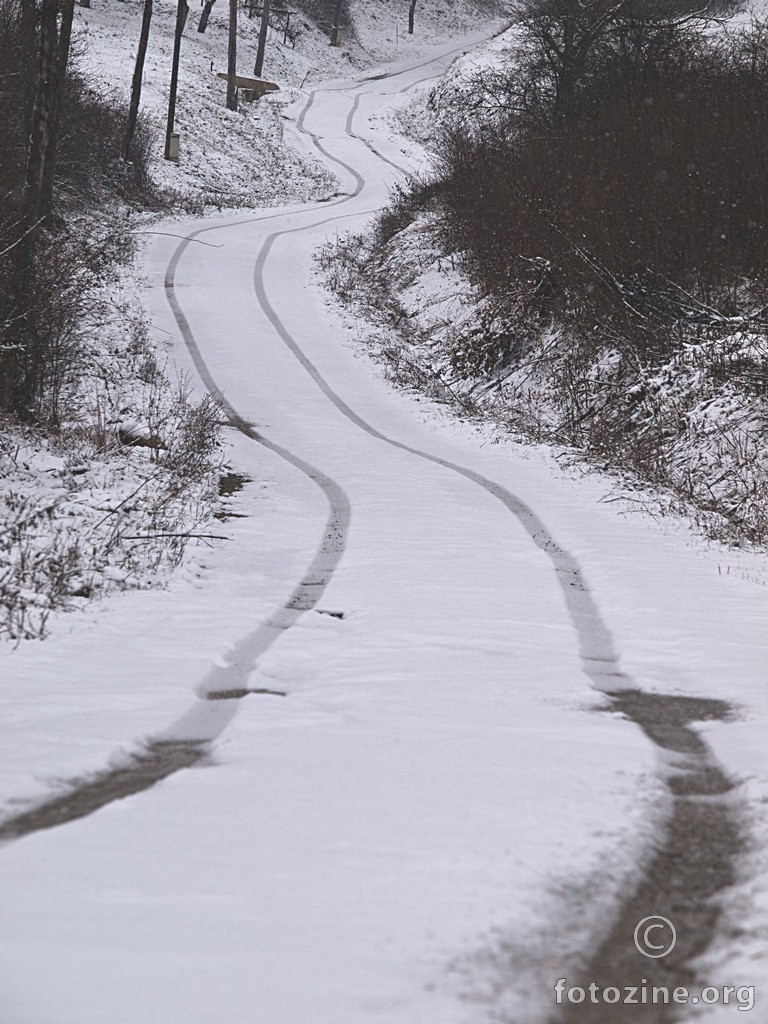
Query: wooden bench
251, 88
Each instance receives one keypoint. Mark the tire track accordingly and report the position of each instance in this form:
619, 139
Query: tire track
598, 656
187, 741
599, 659
677, 868
693, 864
695, 859
387, 75
366, 142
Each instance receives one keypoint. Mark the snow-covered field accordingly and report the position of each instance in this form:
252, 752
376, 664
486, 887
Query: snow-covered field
437, 820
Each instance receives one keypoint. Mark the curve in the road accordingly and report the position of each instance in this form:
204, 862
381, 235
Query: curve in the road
188, 740
598, 655
695, 862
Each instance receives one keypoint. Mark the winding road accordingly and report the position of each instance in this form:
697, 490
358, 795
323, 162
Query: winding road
444, 770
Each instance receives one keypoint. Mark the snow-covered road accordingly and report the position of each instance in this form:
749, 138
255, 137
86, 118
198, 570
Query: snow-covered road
436, 822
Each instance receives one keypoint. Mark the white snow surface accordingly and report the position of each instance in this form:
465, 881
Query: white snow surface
237, 158
435, 822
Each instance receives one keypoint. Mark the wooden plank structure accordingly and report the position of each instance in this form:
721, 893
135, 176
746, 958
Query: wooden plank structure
251, 88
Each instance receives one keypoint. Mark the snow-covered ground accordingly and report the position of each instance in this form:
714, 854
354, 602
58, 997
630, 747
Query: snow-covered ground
694, 421
238, 158
435, 822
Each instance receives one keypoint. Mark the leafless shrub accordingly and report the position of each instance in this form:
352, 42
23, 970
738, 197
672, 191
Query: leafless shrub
110, 514
406, 201
612, 229
343, 262
646, 174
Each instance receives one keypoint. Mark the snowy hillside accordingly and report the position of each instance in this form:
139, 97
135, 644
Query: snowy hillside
230, 158
689, 415
72, 496
424, 726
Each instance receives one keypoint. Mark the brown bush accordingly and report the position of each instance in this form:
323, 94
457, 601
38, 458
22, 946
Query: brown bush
644, 207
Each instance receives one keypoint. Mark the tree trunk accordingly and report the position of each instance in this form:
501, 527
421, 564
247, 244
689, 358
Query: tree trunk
138, 75
37, 193
39, 139
182, 9
206, 13
30, 61
60, 72
411, 16
262, 38
232, 57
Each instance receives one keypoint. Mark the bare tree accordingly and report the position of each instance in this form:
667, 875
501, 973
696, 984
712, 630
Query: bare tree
263, 29
138, 74
205, 15
411, 16
562, 34
563, 41
30, 59
232, 57
55, 37
24, 366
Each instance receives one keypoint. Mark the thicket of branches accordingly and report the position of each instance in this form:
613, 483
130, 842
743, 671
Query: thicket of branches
603, 185
622, 180
47, 265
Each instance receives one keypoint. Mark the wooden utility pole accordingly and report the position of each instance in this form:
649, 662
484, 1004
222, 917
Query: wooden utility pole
336, 30
232, 57
138, 75
262, 38
182, 9
411, 16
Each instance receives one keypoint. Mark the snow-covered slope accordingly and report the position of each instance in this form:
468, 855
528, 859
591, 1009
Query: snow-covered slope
418, 816
238, 158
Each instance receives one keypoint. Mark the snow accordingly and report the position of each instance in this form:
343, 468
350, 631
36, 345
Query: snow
413, 833
227, 158
703, 406
71, 502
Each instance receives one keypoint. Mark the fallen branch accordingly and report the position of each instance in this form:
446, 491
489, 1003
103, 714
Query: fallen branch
179, 536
